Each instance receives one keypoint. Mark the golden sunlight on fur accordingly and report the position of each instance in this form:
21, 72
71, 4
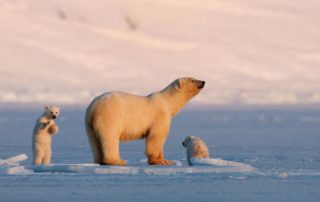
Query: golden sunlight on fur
117, 116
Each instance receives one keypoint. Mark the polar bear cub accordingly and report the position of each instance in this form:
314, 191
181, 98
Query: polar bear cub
195, 148
44, 128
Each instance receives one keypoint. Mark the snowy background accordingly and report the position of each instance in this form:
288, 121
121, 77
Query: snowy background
248, 51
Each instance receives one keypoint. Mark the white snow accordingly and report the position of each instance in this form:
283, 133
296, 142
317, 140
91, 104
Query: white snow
12, 165
63, 168
117, 170
19, 170
217, 166
215, 161
15, 160
130, 170
249, 52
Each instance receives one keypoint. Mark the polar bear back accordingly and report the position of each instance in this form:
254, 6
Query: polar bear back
143, 111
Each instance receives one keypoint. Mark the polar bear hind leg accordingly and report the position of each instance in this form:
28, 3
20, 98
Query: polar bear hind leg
47, 157
95, 146
38, 155
110, 145
96, 149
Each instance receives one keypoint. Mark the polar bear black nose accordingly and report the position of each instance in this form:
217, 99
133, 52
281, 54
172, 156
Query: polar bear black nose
183, 144
201, 84
54, 117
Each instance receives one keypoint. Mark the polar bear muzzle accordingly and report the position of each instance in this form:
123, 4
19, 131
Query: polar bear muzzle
200, 84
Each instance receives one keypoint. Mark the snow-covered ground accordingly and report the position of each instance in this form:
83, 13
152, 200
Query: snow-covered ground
268, 155
248, 51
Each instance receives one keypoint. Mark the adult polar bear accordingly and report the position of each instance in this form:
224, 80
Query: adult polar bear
116, 116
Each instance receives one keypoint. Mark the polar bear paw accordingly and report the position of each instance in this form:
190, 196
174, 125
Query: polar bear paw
116, 162
161, 162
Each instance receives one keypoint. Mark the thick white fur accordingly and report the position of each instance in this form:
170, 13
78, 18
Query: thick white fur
117, 116
196, 148
44, 128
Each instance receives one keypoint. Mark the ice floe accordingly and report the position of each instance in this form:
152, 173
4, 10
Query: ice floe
12, 166
217, 162
13, 160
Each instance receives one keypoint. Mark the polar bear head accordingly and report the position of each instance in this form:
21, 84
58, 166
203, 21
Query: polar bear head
51, 112
189, 86
188, 140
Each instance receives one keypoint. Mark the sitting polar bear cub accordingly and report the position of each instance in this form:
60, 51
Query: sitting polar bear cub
196, 148
198, 154
43, 130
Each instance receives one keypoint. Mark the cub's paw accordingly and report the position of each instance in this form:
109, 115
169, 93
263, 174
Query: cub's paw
53, 129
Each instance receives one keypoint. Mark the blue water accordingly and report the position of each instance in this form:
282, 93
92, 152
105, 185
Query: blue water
281, 143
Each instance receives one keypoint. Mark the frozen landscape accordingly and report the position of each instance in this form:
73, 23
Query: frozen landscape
259, 112
279, 147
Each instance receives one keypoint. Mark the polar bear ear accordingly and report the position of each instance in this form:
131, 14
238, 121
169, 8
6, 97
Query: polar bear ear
46, 107
192, 137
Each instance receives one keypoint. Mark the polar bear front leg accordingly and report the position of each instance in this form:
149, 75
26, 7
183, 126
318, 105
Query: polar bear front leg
154, 145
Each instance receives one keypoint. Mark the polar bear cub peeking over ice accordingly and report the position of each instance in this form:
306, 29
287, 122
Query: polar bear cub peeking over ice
43, 130
196, 148
117, 116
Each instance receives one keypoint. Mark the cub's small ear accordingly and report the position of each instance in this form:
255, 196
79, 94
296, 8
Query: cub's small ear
191, 137
177, 84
